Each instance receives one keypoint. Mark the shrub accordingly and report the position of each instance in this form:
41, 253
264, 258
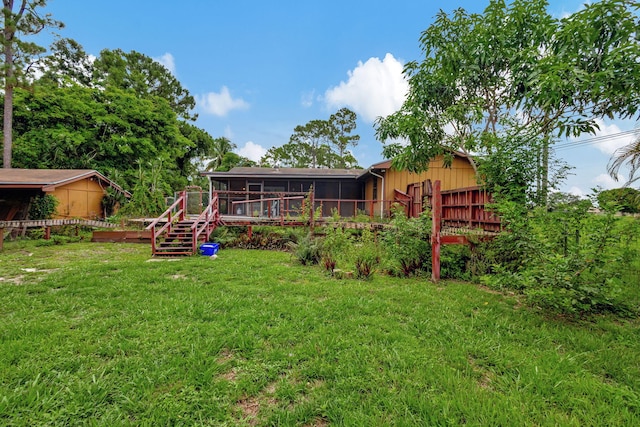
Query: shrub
366, 255
407, 243
306, 250
43, 207
335, 247
567, 260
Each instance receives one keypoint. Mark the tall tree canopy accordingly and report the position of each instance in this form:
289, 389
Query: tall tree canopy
145, 77
515, 72
318, 144
122, 114
19, 19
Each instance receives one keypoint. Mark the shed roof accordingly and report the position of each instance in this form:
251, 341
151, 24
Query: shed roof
299, 173
49, 179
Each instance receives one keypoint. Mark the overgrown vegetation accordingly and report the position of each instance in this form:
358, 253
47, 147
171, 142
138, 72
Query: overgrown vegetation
407, 243
43, 207
568, 260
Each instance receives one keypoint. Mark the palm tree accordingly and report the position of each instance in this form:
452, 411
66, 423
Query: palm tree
221, 147
629, 154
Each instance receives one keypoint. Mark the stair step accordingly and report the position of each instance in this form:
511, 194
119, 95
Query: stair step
179, 241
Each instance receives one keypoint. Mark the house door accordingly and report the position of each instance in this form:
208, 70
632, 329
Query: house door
255, 193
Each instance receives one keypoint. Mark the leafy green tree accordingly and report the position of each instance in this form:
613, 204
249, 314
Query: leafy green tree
311, 145
68, 63
19, 20
232, 160
221, 146
145, 77
202, 146
343, 123
515, 71
624, 199
107, 130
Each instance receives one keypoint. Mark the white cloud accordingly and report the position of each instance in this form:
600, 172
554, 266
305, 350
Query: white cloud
307, 98
219, 104
576, 191
605, 181
375, 88
252, 151
168, 61
612, 138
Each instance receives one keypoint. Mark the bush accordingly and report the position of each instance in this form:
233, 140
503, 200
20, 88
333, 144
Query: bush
306, 250
335, 247
407, 243
43, 207
567, 261
366, 255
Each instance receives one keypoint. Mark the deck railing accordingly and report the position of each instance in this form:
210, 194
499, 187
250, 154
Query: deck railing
292, 205
205, 223
174, 212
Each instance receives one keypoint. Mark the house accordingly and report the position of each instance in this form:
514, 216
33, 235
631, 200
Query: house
382, 182
346, 191
79, 192
241, 184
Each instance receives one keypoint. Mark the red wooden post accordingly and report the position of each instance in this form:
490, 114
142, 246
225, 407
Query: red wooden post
470, 207
47, 233
282, 208
183, 204
1, 238
436, 220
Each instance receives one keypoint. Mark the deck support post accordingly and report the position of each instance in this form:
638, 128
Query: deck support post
436, 223
1, 238
47, 233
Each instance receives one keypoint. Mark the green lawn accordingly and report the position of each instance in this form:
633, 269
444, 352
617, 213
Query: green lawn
98, 334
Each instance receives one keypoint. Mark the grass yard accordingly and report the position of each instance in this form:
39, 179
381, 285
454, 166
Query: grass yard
98, 334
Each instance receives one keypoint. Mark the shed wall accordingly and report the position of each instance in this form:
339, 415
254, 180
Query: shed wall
79, 199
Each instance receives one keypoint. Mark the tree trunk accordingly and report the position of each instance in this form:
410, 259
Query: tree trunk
7, 119
7, 130
544, 189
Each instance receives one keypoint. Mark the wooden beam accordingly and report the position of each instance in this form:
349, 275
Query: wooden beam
436, 224
454, 240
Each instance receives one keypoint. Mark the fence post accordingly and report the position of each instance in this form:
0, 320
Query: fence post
282, 208
436, 222
183, 205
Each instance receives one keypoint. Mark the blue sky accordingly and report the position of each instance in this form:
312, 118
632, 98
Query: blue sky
258, 69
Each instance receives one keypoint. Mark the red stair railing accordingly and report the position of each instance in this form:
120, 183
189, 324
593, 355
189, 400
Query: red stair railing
170, 216
210, 218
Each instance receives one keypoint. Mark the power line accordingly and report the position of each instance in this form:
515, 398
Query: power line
596, 140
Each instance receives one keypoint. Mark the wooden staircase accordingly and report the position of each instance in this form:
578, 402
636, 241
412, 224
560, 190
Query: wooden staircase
173, 234
177, 241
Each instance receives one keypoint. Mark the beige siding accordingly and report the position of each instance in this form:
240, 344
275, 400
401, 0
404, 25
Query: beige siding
80, 199
459, 175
